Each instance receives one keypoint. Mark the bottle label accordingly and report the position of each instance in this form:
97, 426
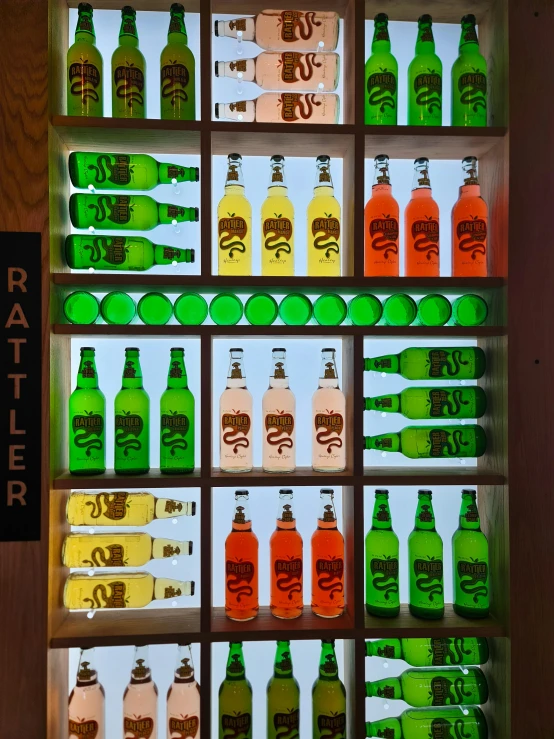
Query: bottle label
128, 427
449, 692
333, 425
281, 233
291, 61
232, 232
443, 362
109, 595
384, 235
335, 724
288, 573
325, 237
115, 505
111, 556
472, 578
110, 249
113, 167
451, 652
236, 727
279, 428
429, 574
428, 88
238, 576
117, 205
141, 728
295, 106
330, 574
175, 211
83, 729
296, 25
174, 79
174, 427
443, 729
84, 78
472, 87
186, 726
444, 443
239, 423
472, 237
381, 89
287, 724
384, 571
88, 428
125, 79
446, 403
170, 252
425, 234
386, 691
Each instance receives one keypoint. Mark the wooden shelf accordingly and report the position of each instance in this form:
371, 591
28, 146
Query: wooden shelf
430, 476
442, 11
407, 625
301, 476
434, 142
153, 479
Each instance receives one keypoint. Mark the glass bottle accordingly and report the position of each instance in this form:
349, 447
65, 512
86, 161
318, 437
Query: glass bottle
87, 420
235, 698
382, 562
470, 562
381, 78
286, 70
283, 107
381, 218
290, 29
190, 309
421, 723
226, 309
421, 226
286, 562
122, 509
329, 418
330, 310
327, 561
469, 79
154, 309
128, 71
283, 697
85, 69
234, 224
120, 590
428, 363
449, 686
295, 309
236, 413
470, 217
118, 308
177, 71
364, 310
132, 420
125, 171
241, 564
87, 701
183, 699
112, 252
469, 310
133, 549
425, 79
425, 562
125, 212
81, 308
140, 700
324, 224
261, 309
433, 310
432, 442
432, 402
399, 310
177, 419
279, 416
277, 224
458, 650
328, 696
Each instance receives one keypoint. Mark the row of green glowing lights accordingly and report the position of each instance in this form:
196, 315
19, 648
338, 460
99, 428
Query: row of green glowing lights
261, 309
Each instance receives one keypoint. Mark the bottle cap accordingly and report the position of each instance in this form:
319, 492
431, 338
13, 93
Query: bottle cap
425, 19
381, 18
177, 8
470, 18
128, 10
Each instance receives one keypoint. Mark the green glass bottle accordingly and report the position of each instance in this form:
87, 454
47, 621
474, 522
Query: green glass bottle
432, 442
330, 310
177, 71
432, 402
87, 420
235, 698
261, 309
283, 697
190, 309
381, 78
133, 253
469, 310
328, 697
132, 420
428, 363
399, 310
433, 310
90, 169
81, 308
295, 309
457, 650
469, 79
118, 308
425, 79
364, 310
128, 71
425, 562
125, 212
470, 562
423, 687
155, 309
422, 723
226, 309
382, 588
177, 419
85, 69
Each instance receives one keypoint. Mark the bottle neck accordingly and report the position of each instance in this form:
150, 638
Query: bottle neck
85, 29
241, 519
234, 175
425, 43
388, 363
132, 373
384, 442
381, 38
469, 513
328, 377
169, 254
184, 672
425, 516
381, 513
128, 35
177, 33
87, 376
235, 663
177, 375
236, 377
384, 404
86, 674
386, 648
327, 517
282, 667
389, 727
328, 668
468, 38
389, 688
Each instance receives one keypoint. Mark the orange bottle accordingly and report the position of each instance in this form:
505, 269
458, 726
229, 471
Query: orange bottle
285, 556
470, 217
327, 561
381, 225
241, 564
421, 226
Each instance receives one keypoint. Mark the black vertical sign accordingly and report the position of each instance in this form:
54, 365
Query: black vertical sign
20, 493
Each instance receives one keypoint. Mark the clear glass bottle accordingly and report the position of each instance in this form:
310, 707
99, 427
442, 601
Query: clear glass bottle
279, 419
236, 414
329, 419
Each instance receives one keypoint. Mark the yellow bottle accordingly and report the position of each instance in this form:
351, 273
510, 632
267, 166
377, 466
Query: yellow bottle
120, 590
119, 550
277, 224
123, 509
324, 225
234, 224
